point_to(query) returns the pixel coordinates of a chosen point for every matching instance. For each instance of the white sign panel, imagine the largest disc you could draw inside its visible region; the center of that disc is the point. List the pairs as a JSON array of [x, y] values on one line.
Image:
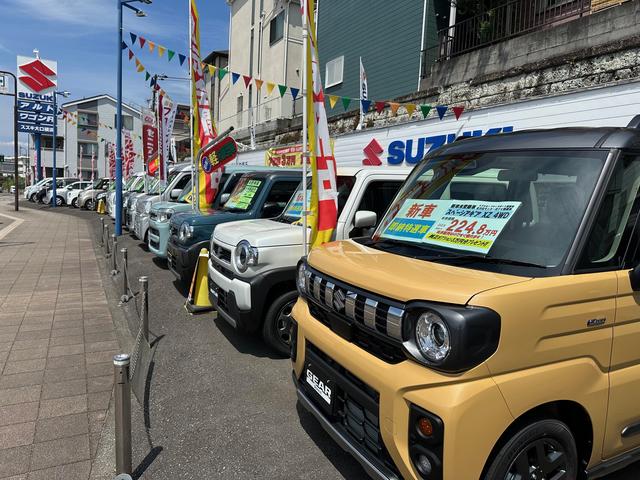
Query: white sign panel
[[37, 80], [3, 84]]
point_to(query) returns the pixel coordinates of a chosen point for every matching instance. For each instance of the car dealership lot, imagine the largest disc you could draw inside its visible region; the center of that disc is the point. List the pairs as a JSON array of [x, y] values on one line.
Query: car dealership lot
[[219, 404]]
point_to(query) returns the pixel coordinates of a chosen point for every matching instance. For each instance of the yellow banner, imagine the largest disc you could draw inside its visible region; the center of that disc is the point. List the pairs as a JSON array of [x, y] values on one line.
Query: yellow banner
[[284, 157]]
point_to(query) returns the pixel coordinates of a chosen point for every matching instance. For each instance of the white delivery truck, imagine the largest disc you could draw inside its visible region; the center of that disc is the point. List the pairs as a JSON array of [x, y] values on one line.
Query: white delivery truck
[[252, 263]]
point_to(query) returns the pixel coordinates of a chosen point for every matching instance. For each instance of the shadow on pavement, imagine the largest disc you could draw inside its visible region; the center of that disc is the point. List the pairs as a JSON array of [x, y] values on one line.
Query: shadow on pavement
[[250, 344]]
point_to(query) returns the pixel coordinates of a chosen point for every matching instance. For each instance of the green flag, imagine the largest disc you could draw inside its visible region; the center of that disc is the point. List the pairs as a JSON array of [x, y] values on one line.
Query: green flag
[[345, 102], [425, 109], [146, 76], [222, 72], [283, 90], [170, 54]]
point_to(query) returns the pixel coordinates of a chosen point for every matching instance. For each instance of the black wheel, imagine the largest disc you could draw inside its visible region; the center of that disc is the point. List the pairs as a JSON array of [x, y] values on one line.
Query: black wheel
[[89, 204], [276, 329], [59, 201], [74, 203], [32, 197], [544, 450]]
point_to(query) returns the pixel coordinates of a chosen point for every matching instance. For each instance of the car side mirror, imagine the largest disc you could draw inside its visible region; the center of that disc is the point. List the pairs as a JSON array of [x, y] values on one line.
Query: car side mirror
[[175, 194], [224, 198], [365, 219], [634, 278]]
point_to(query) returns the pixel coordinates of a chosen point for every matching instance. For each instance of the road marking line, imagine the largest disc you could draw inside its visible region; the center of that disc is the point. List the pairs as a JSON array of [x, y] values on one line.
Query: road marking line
[[12, 226]]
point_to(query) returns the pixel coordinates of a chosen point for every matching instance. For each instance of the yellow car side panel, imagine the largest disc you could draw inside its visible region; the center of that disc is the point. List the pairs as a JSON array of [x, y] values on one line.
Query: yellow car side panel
[[468, 403]]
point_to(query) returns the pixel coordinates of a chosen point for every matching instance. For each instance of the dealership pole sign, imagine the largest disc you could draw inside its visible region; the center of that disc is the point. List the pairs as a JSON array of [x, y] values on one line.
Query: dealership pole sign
[[37, 81]]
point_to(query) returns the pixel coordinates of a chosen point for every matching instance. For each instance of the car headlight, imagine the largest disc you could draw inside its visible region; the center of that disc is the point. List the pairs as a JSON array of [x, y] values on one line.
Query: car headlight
[[147, 207], [432, 337], [450, 338], [165, 215], [302, 278], [245, 255], [185, 232]]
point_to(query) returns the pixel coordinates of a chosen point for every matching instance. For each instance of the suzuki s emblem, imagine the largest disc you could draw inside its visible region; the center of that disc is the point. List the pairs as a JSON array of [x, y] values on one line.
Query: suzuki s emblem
[[338, 300], [37, 76]]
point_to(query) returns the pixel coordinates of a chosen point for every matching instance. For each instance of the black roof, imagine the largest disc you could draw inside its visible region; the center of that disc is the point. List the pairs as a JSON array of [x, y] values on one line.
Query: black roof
[[556, 138]]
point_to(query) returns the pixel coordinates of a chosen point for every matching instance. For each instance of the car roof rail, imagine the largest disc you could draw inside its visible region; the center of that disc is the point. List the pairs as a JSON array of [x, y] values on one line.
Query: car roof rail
[[635, 122]]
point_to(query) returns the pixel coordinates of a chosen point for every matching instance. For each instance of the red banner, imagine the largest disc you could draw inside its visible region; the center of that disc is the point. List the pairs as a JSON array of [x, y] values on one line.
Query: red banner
[[149, 139]]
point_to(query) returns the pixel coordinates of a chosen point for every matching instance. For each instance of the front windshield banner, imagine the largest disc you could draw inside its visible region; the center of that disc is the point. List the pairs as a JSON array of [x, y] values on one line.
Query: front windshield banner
[[461, 224], [294, 209], [243, 195]]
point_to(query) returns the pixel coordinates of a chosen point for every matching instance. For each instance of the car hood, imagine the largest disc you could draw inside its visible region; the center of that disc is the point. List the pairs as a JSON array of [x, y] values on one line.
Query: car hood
[[260, 233], [178, 207], [405, 278], [212, 217]]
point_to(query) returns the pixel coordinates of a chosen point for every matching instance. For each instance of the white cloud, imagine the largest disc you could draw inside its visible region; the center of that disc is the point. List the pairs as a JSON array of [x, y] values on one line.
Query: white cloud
[[91, 13]]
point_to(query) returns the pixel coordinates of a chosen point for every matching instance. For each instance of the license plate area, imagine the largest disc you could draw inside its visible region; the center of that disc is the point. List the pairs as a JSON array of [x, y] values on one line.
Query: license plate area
[[319, 383]]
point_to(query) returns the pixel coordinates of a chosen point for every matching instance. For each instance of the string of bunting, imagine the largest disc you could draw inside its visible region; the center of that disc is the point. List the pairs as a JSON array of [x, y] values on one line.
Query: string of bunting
[[345, 102]]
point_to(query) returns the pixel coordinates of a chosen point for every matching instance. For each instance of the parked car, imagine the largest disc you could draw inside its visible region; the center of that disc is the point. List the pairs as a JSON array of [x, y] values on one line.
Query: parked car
[[87, 198], [73, 190], [45, 191], [135, 183], [161, 212], [12, 189], [489, 331], [61, 191], [179, 177], [256, 195], [31, 190], [252, 263]]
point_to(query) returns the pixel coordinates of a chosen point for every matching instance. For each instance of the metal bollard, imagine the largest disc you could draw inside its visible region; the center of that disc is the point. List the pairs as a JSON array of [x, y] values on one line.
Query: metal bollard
[[105, 235], [114, 270], [144, 289], [122, 413], [125, 280], [102, 231]]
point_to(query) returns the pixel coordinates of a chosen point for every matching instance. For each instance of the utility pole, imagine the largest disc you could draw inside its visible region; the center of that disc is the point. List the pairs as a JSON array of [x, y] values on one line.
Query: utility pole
[[15, 134]]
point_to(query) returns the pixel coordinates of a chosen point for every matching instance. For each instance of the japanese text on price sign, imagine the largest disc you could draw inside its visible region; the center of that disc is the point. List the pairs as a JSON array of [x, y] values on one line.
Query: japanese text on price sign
[[462, 224], [295, 207], [243, 195]]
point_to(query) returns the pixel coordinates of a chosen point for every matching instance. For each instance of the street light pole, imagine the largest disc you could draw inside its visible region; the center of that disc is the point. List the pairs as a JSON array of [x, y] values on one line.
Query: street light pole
[[15, 135], [54, 174], [139, 13]]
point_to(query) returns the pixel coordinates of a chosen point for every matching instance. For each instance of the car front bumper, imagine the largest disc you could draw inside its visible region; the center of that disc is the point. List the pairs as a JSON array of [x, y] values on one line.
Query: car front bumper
[[181, 260], [141, 226], [158, 238]]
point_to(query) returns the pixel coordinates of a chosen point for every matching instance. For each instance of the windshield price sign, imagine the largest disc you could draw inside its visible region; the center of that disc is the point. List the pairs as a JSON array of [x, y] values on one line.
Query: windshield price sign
[[242, 197], [295, 207], [462, 224]]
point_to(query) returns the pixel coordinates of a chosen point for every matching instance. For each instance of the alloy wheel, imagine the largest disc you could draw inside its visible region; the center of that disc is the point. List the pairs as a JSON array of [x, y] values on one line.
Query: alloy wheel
[[283, 323], [542, 459]]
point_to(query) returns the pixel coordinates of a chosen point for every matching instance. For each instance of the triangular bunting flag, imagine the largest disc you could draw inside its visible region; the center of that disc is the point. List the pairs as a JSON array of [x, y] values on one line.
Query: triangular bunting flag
[[161, 51], [140, 67], [182, 58], [365, 105], [212, 70], [270, 87], [411, 107], [130, 54], [153, 82], [294, 92], [283, 90], [234, 77], [137, 63], [151, 46], [247, 80], [425, 109], [394, 107], [222, 72], [147, 76], [380, 106], [133, 38], [457, 111], [333, 99], [170, 54], [442, 109], [258, 83], [123, 45], [142, 40], [345, 102]]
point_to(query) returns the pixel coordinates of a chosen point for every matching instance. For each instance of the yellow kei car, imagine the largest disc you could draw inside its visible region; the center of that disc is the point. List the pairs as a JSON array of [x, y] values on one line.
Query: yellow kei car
[[490, 327]]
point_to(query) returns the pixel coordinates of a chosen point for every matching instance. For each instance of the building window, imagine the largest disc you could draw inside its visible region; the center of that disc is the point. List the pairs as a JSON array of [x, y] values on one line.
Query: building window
[[333, 72], [86, 149], [276, 28], [127, 122], [47, 142], [86, 119]]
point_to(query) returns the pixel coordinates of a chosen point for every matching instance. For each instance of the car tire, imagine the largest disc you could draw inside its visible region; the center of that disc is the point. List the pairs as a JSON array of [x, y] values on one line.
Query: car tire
[[545, 448], [89, 204], [59, 201], [32, 197], [276, 329], [74, 203]]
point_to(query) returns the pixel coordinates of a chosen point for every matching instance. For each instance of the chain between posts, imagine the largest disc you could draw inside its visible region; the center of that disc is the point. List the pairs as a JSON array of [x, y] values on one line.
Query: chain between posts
[[114, 242]]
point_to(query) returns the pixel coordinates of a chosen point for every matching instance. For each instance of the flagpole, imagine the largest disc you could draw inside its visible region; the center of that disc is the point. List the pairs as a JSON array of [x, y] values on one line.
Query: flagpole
[[194, 168], [305, 149]]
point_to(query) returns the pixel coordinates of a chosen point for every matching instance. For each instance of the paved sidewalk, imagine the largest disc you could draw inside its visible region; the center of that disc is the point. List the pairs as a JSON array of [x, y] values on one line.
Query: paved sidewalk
[[56, 342]]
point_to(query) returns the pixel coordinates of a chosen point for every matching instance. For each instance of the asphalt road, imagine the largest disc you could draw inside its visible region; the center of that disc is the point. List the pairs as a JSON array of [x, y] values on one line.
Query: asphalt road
[[220, 405]]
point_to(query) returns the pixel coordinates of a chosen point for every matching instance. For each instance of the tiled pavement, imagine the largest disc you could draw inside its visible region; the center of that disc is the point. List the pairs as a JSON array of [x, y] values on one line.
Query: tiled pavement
[[56, 342]]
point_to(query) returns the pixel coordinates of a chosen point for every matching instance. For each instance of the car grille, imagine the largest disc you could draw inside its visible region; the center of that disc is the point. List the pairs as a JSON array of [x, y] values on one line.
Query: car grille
[[357, 407], [222, 300], [224, 271], [154, 236], [173, 230], [153, 215], [367, 320], [222, 253]]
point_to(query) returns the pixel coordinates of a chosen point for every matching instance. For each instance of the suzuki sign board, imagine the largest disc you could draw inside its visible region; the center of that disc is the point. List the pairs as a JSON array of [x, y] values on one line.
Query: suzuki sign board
[[37, 80]]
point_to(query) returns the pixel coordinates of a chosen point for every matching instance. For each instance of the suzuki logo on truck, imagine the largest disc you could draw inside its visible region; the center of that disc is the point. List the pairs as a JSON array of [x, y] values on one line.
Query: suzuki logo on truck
[[413, 150]]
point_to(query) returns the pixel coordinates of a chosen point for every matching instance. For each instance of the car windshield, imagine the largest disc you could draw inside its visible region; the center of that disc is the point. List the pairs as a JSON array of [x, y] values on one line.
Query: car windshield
[[185, 196], [244, 194], [488, 210], [128, 183], [138, 185], [293, 212]]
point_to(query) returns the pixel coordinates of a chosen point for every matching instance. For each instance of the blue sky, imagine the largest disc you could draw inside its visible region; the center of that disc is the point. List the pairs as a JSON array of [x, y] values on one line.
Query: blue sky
[[81, 36]]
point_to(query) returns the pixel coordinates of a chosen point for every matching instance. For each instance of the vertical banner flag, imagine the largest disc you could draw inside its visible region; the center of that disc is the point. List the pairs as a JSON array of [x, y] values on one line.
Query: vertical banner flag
[[203, 131], [149, 140], [364, 94], [129, 154], [93, 165], [80, 163], [112, 160], [162, 163], [167, 117], [324, 195]]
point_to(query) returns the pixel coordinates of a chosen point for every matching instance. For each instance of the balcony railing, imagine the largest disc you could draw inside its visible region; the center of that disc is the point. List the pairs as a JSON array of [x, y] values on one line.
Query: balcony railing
[[509, 20]]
